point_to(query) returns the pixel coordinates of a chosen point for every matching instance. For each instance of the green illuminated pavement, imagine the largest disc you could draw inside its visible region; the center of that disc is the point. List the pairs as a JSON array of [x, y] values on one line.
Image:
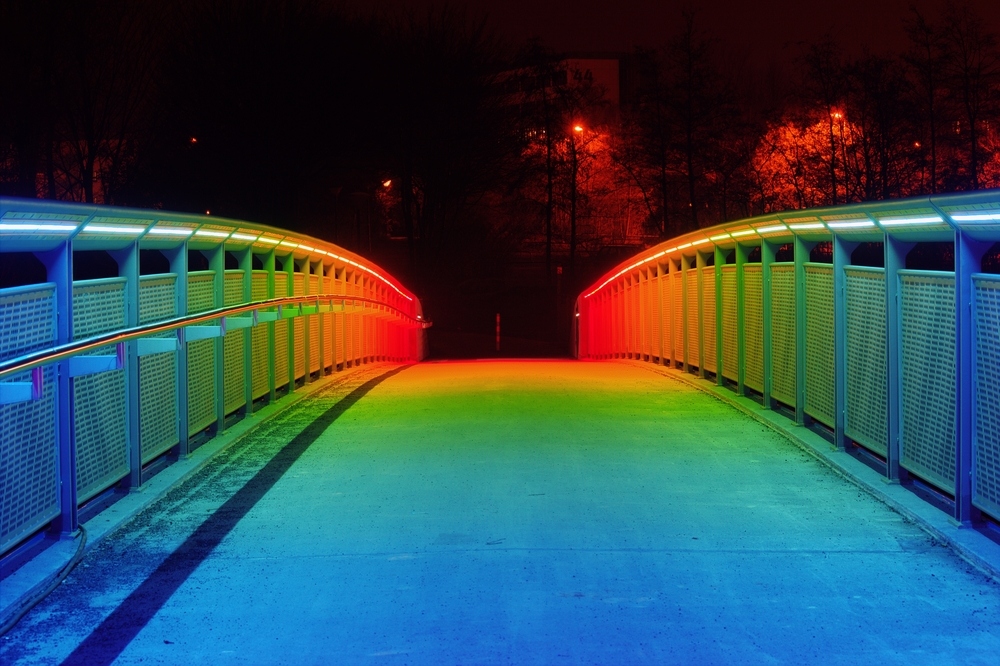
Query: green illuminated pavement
[[515, 512]]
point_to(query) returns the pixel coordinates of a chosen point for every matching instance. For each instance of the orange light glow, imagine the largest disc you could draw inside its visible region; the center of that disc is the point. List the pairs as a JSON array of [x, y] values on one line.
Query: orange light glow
[[916, 144], [194, 139], [577, 128], [387, 183], [837, 115]]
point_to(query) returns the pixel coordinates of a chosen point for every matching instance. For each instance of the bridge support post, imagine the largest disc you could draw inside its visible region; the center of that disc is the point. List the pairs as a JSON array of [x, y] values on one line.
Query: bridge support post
[[307, 324], [841, 259], [288, 266]]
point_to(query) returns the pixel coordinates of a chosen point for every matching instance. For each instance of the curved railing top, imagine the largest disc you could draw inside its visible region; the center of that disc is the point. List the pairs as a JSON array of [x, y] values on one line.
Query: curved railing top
[[918, 219], [32, 225]]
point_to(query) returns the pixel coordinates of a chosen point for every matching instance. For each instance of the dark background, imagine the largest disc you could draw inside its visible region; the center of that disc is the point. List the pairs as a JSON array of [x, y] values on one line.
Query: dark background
[[389, 127]]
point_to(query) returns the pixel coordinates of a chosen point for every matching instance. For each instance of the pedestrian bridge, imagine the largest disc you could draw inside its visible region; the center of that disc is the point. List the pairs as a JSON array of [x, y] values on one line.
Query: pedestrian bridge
[[270, 478]]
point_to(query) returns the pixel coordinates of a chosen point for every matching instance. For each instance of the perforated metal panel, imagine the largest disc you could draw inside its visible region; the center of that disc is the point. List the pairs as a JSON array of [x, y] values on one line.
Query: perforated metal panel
[[928, 442], [258, 340], [867, 401], [753, 326], [102, 456], [691, 319], [986, 482], [677, 291], [783, 360], [201, 356], [655, 318], [708, 311], [628, 321], [299, 329], [730, 342], [338, 333], [158, 429], [234, 372], [280, 335], [29, 472], [820, 387]]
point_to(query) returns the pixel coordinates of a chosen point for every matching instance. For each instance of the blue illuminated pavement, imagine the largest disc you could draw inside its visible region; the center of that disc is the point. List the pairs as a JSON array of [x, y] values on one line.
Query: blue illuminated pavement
[[521, 513]]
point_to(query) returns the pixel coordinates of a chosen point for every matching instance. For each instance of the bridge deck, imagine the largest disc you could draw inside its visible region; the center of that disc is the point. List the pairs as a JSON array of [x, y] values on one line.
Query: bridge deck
[[515, 512]]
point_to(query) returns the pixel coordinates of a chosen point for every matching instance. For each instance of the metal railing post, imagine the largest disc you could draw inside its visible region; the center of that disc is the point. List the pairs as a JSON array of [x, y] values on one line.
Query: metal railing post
[[245, 258], [767, 254], [895, 260], [685, 315], [720, 260], [968, 260], [802, 249], [268, 262], [178, 258], [59, 269], [699, 264], [217, 262], [128, 267], [742, 254], [841, 260], [288, 266]]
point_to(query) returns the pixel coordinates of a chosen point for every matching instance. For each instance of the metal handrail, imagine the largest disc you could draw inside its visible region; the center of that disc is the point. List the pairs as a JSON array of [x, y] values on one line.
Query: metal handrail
[[77, 347]]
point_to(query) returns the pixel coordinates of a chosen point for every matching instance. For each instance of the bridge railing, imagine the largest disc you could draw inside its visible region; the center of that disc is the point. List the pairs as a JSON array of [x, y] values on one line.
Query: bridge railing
[[899, 366], [102, 382]]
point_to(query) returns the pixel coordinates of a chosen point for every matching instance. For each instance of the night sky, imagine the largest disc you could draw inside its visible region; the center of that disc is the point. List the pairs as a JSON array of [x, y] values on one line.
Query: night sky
[[757, 31]]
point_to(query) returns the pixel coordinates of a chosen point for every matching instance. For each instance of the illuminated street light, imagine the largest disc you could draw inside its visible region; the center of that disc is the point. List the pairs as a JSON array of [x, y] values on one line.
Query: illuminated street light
[[387, 183], [577, 128]]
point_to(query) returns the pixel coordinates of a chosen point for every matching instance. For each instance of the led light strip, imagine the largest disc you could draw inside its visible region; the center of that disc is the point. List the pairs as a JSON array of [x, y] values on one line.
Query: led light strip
[[976, 217], [171, 231], [243, 237], [771, 229], [901, 221], [126, 229], [744, 232], [212, 234], [43, 228], [807, 225], [853, 224]]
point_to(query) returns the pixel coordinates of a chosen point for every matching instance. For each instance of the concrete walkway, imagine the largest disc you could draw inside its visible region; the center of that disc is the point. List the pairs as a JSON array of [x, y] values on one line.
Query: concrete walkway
[[515, 512]]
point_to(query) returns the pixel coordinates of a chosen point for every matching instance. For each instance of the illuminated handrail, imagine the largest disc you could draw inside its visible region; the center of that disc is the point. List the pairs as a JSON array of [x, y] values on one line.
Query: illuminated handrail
[[188, 352], [77, 347], [897, 364], [917, 219]]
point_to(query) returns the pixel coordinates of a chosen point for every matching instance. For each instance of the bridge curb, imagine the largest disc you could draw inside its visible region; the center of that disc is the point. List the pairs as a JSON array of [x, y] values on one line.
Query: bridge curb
[[37, 573], [969, 544]]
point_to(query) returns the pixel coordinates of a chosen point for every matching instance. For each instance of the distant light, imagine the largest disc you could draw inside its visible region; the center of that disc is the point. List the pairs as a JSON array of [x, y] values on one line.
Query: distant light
[[577, 128], [916, 144], [387, 183], [419, 317], [837, 115], [208, 212], [577, 314], [194, 139]]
